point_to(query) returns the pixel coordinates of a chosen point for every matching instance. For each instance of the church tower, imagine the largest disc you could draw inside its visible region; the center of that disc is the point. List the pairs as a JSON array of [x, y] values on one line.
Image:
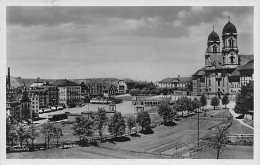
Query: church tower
[[213, 48], [229, 48]]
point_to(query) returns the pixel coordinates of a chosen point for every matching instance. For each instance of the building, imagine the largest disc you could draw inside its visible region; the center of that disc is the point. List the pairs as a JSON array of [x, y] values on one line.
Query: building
[[177, 84], [48, 93], [68, 91], [109, 90], [38, 88], [25, 107], [221, 74], [122, 86], [35, 105]]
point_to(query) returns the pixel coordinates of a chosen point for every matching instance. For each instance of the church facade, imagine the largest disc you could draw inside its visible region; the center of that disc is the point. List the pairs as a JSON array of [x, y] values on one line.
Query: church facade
[[223, 70]]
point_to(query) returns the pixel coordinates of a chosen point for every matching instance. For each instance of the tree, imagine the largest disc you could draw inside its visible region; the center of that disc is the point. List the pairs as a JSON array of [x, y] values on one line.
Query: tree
[[214, 102], [131, 123], [83, 128], [143, 119], [245, 99], [203, 100], [100, 120], [117, 125], [47, 132], [11, 133], [143, 91], [225, 100], [166, 112], [153, 91], [196, 103], [182, 104], [57, 133], [219, 139], [33, 133], [134, 92], [20, 131]]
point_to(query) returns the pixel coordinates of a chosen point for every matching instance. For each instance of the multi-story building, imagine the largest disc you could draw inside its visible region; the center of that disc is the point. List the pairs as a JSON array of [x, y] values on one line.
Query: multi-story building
[[35, 105], [48, 93], [122, 86], [177, 84], [222, 66], [98, 87], [37, 88], [68, 91]]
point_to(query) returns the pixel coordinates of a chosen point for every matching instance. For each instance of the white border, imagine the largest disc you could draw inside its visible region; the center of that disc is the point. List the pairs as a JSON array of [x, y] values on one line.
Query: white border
[[4, 3]]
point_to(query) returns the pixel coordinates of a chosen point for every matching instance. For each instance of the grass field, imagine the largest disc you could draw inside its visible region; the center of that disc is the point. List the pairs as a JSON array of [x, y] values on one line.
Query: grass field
[[162, 140]]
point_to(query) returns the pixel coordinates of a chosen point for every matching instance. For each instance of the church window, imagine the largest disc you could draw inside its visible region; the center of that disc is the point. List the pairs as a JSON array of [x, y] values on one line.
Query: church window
[[232, 59], [215, 48], [218, 82], [223, 60], [231, 43]]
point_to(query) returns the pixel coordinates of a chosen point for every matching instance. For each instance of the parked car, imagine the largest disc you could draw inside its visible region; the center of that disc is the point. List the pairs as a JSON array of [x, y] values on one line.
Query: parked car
[[41, 111]]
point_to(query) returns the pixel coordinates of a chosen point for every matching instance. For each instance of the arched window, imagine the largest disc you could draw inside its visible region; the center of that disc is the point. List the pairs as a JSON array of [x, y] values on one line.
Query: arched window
[[223, 60], [231, 43], [215, 49], [232, 59]]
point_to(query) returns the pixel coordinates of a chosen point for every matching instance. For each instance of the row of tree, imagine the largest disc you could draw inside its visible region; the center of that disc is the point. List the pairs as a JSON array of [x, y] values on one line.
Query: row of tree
[[18, 133], [85, 128], [168, 112], [140, 85]]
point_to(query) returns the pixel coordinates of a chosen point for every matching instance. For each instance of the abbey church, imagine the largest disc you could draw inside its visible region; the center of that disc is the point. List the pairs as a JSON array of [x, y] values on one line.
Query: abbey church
[[225, 70]]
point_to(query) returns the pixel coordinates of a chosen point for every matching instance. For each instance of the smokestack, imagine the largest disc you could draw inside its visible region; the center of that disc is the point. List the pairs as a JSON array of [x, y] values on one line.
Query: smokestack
[[9, 81]]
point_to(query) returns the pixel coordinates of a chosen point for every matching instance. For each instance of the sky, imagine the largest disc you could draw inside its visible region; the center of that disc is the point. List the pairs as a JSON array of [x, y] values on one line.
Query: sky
[[140, 43]]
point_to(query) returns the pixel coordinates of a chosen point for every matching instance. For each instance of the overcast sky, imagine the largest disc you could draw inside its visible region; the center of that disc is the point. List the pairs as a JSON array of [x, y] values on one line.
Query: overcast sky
[[141, 43]]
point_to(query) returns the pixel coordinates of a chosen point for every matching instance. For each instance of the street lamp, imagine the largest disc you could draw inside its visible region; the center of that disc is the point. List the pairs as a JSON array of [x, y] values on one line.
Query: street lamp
[[198, 129]]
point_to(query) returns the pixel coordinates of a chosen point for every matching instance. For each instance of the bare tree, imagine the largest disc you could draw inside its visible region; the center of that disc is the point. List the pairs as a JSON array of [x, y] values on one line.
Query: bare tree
[[219, 138]]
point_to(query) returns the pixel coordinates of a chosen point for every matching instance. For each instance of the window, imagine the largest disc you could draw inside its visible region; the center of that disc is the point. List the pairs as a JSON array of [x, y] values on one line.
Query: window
[[231, 43], [218, 82], [232, 59], [215, 49], [223, 60]]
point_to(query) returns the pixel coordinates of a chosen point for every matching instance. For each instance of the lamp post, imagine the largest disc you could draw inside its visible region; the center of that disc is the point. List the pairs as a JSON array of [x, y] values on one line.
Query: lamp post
[[198, 129]]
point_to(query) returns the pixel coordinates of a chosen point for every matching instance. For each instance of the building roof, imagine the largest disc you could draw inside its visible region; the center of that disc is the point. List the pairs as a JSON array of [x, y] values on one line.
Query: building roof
[[25, 97], [247, 66], [64, 83], [185, 79], [37, 84], [244, 59], [213, 36], [200, 72], [216, 60], [236, 72], [179, 79], [229, 28]]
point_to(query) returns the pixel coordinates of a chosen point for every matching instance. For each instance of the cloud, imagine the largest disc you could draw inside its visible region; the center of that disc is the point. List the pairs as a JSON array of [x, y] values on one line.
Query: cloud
[[147, 43]]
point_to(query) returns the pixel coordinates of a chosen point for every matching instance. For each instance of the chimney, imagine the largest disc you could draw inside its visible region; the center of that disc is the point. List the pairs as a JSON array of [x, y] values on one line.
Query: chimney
[[9, 81], [178, 76]]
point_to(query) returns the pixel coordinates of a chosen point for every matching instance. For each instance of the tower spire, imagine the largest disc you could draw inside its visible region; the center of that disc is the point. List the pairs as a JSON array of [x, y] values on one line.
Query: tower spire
[[228, 17], [213, 27]]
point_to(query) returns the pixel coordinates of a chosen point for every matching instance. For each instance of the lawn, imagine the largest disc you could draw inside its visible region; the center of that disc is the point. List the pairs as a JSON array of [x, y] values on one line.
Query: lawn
[[161, 140], [231, 152]]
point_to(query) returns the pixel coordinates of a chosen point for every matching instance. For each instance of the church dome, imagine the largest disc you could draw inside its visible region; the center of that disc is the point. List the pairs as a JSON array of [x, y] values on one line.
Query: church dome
[[229, 28], [213, 36]]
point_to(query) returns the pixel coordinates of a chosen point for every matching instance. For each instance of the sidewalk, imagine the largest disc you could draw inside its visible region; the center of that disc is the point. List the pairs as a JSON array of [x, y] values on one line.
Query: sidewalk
[[230, 107]]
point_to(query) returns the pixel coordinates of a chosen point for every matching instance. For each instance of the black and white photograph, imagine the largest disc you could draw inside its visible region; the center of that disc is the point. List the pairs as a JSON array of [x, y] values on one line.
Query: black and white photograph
[[129, 82]]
